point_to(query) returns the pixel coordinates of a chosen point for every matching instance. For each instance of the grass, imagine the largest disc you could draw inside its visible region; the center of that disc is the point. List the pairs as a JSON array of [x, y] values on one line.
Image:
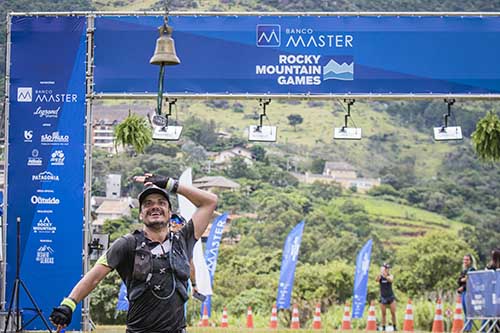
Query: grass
[[399, 223]]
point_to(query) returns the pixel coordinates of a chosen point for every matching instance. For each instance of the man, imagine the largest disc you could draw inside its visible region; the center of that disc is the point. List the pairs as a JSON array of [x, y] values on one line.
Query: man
[[387, 297], [153, 262]]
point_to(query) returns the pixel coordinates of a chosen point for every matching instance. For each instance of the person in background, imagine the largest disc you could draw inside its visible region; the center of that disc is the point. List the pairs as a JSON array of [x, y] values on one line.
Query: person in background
[[467, 266], [152, 262], [494, 263], [387, 297]]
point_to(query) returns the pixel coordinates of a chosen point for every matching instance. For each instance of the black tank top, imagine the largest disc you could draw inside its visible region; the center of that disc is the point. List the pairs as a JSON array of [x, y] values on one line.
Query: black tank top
[[385, 287]]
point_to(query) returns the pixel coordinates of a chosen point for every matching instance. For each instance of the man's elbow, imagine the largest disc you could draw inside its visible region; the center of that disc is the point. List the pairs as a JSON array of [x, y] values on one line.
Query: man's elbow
[[212, 201]]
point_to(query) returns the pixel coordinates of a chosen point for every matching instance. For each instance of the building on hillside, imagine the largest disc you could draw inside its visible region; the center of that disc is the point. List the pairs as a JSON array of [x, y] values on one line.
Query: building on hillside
[[215, 183], [342, 173], [103, 135], [225, 156], [113, 186], [339, 170], [111, 209]]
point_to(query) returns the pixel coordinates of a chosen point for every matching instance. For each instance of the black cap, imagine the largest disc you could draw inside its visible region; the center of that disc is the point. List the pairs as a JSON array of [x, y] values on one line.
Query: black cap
[[151, 189], [386, 265]]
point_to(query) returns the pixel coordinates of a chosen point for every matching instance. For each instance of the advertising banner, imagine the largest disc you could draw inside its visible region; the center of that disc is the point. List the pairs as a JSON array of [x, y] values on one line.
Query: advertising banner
[[361, 280], [46, 159], [482, 298], [303, 54], [288, 264], [212, 253]]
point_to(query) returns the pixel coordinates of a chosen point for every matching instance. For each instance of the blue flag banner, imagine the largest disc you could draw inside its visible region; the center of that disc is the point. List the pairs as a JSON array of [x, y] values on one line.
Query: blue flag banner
[[483, 294], [212, 252], [288, 264], [122, 304], [46, 159], [361, 280], [303, 54]]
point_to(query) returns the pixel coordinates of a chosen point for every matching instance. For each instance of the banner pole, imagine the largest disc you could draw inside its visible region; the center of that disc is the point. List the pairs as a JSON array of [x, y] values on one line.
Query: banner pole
[[87, 231]]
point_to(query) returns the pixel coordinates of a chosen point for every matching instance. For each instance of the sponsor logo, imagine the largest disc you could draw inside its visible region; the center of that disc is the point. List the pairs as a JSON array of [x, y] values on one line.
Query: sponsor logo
[[34, 160], [44, 227], [54, 139], [336, 69], [57, 158], [44, 255], [24, 94], [46, 113], [49, 96], [28, 136], [268, 35], [308, 69], [35, 199], [45, 176]]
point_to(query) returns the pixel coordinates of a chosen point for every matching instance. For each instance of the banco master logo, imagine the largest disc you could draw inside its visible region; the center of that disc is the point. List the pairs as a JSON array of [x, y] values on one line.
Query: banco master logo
[[24, 94], [268, 35]]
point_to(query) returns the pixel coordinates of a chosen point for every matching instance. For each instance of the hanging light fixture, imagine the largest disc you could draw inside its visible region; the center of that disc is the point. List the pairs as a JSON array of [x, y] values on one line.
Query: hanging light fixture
[[164, 55], [262, 132], [345, 132], [445, 132]]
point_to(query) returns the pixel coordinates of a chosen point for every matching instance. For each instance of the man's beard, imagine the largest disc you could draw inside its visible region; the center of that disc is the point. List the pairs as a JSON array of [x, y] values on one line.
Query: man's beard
[[157, 225]]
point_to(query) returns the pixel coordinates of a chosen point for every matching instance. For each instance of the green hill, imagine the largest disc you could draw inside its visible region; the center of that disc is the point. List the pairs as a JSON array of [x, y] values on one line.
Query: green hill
[[396, 224]]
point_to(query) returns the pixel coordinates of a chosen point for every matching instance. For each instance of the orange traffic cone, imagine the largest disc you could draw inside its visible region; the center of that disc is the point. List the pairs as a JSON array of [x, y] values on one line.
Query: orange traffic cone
[[273, 323], [249, 317], [317, 317], [458, 317], [371, 323], [204, 318], [295, 318], [346, 320], [408, 323], [223, 322], [438, 324]]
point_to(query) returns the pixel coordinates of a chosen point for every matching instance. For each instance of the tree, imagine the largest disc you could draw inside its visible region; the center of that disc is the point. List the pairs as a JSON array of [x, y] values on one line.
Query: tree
[[258, 152], [318, 165], [430, 263], [294, 120]]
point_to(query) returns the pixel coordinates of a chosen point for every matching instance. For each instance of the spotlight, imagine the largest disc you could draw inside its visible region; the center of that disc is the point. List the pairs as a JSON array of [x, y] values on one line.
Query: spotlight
[[445, 132], [345, 132], [161, 129], [260, 132]]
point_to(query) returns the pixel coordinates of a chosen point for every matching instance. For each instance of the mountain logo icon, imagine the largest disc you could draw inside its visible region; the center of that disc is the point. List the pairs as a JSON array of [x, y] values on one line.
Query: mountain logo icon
[[24, 94], [268, 35], [339, 70]]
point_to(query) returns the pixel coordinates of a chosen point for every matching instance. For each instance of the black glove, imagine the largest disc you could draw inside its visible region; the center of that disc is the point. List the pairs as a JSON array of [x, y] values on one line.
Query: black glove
[[61, 315], [167, 183], [160, 181]]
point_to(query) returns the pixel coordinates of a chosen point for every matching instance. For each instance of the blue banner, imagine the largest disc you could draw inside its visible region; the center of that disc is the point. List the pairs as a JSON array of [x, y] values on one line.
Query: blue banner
[[483, 294], [45, 185], [365, 54], [288, 264], [361, 280], [211, 254]]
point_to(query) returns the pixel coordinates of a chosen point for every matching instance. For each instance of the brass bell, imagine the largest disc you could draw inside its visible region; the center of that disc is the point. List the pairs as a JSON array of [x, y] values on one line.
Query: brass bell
[[165, 48]]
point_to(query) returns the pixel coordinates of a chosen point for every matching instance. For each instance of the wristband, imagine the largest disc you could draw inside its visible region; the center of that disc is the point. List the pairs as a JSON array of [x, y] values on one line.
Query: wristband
[[172, 185], [193, 284], [69, 302]]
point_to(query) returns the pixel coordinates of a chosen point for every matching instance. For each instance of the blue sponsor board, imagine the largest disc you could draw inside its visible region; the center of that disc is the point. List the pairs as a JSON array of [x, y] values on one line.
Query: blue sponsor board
[[46, 159], [303, 54], [483, 296]]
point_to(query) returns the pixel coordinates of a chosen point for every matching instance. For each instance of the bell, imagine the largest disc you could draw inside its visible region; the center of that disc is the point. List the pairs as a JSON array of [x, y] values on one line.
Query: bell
[[165, 48]]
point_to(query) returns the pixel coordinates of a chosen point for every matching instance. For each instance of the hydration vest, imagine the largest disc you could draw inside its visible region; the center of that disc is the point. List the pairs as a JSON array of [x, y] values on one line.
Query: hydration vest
[[143, 277]]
